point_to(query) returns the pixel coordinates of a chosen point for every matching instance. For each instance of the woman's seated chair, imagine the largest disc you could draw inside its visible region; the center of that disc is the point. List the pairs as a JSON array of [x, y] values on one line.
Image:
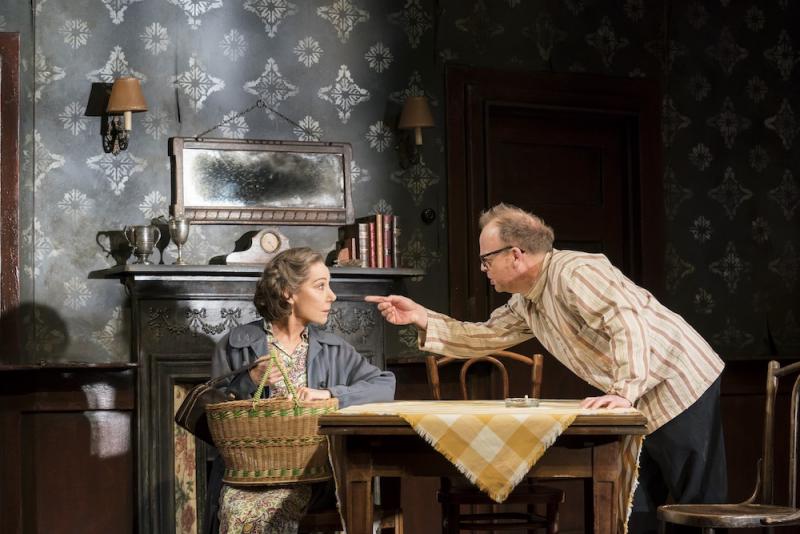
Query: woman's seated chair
[[329, 521], [759, 510], [526, 493], [388, 516]]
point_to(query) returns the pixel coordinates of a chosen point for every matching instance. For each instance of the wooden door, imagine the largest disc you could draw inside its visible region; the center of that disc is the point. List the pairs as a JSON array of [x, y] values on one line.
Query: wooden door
[[9, 195], [583, 152], [550, 163]]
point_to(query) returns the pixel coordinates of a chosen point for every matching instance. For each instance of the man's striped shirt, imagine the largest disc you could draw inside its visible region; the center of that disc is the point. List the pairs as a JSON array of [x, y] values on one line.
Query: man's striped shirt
[[603, 327]]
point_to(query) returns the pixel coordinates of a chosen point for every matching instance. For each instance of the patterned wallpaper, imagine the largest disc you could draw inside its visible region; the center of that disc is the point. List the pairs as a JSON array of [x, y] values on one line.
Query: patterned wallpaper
[[340, 70]]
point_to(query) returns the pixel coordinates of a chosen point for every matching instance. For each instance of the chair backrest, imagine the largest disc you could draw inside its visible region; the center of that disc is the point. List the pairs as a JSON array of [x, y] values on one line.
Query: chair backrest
[[775, 372], [435, 362]]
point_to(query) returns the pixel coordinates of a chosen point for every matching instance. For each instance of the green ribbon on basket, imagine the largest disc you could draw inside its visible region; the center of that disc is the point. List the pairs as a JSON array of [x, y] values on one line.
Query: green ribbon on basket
[[274, 360]]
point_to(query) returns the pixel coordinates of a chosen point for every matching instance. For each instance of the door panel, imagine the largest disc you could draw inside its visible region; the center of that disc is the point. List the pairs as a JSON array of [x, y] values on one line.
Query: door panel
[[565, 167]]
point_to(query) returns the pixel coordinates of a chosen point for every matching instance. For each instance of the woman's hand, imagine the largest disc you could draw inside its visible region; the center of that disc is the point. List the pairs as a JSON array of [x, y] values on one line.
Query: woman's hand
[[310, 394], [257, 372]]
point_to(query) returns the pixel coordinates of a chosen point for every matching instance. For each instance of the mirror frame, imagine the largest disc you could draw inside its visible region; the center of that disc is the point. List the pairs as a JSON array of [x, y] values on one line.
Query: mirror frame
[[259, 214]]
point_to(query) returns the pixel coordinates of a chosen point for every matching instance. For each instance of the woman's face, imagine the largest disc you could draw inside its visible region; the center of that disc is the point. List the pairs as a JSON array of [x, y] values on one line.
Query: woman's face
[[312, 301]]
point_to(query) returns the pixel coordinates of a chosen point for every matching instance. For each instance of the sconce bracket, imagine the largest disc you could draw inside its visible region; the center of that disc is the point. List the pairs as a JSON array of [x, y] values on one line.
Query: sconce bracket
[[115, 138], [409, 154]]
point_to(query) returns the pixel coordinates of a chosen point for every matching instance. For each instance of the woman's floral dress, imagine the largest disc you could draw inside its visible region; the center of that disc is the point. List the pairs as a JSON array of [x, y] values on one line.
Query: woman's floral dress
[[269, 509]]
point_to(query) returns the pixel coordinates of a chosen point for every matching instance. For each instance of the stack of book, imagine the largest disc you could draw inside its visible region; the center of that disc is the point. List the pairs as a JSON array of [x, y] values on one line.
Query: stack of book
[[372, 240]]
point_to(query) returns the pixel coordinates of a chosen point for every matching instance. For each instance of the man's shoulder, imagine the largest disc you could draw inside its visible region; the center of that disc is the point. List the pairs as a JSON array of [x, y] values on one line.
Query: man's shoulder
[[566, 261]]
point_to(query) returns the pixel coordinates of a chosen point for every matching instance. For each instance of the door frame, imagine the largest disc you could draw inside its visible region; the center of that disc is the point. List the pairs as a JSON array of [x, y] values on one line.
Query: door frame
[[9, 191], [469, 91]]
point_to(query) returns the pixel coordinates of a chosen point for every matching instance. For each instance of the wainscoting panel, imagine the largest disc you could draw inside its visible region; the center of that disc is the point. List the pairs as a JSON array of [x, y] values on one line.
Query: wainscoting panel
[[66, 449]]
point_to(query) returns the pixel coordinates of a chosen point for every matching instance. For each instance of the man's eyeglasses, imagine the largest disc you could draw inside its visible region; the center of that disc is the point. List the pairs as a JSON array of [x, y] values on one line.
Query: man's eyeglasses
[[485, 257]]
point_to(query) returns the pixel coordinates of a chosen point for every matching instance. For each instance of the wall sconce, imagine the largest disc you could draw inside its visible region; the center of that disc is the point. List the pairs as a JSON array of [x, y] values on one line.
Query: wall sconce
[[416, 115], [126, 98]]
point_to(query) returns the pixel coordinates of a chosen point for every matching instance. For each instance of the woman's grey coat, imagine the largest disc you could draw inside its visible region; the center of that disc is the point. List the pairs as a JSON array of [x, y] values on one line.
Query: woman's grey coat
[[332, 364]]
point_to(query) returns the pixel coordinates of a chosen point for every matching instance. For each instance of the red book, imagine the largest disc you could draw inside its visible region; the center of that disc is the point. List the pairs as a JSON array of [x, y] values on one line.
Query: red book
[[373, 259], [352, 246], [379, 240]]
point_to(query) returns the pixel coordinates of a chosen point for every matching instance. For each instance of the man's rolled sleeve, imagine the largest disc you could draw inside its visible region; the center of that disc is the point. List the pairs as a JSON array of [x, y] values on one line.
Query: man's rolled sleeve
[[445, 335], [430, 339]]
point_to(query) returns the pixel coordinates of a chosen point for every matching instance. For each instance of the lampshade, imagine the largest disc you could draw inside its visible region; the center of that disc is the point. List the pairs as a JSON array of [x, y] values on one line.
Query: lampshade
[[126, 95], [416, 113]]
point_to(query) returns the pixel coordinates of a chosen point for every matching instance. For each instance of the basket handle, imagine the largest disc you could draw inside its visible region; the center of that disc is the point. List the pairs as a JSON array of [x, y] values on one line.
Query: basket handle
[[274, 360]]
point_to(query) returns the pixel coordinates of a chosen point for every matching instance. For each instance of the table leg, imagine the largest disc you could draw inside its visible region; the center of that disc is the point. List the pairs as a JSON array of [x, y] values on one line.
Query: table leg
[[359, 510], [606, 470], [358, 503]]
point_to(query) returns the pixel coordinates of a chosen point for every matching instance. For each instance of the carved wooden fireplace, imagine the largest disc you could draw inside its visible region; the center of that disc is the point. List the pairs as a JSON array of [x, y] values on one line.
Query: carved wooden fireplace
[[177, 315]]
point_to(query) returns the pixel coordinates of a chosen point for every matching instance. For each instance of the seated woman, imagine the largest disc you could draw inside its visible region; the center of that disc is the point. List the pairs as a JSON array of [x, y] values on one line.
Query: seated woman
[[292, 296]]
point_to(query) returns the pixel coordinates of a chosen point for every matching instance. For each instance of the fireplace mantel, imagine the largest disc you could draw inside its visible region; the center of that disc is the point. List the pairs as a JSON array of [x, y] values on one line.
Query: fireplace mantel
[[135, 270], [178, 313]]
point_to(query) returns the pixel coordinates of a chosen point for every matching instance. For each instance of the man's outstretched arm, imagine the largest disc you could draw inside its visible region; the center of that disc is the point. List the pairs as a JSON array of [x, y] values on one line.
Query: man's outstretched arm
[[401, 310]]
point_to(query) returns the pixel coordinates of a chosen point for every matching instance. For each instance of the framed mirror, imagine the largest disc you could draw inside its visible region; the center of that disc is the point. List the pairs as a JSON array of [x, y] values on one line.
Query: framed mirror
[[245, 181]]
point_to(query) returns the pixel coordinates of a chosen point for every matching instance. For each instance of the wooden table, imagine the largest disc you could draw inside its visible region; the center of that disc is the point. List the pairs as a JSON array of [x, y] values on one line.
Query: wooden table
[[365, 446]]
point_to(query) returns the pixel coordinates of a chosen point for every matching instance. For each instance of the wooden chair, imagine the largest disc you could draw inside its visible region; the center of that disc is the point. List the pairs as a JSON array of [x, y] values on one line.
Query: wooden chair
[[328, 521], [759, 510], [526, 493], [389, 515]]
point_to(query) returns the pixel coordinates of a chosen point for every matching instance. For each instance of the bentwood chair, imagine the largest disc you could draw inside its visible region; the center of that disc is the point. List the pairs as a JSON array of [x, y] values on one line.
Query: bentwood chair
[[328, 521], [526, 493], [388, 516], [759, 511]]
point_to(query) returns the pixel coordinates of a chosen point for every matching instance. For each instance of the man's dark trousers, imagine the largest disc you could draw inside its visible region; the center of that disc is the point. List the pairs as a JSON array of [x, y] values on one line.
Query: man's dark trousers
[[684, 459]]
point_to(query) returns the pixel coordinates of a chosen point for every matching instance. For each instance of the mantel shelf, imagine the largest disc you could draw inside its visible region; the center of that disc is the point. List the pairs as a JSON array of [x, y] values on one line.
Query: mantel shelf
[[68, 366], [243, 270]]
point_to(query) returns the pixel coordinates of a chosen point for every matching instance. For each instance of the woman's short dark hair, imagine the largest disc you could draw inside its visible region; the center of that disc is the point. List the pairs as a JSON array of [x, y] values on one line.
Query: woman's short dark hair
[[282, 276]]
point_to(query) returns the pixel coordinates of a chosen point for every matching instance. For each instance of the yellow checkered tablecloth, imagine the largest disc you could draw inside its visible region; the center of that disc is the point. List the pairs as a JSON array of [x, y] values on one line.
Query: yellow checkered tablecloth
[[495, 446]]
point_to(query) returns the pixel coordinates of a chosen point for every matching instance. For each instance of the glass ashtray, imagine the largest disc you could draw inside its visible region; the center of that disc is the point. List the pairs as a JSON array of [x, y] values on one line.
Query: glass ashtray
[[521, 402]]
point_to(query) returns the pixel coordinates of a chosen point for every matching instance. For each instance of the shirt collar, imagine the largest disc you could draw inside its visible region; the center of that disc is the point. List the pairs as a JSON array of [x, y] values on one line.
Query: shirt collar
[[535, 293]]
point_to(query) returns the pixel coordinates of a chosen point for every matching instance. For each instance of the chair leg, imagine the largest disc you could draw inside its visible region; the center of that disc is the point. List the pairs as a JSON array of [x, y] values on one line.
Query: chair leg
[[450, 514], [662, 527], [708, 530], [531, 509], [552, 518]]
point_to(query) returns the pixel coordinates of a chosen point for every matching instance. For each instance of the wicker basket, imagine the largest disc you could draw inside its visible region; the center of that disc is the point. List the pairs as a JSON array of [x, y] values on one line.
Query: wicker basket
[[271, 441]]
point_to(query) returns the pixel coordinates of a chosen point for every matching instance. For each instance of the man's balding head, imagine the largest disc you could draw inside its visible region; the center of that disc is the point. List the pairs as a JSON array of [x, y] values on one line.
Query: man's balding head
[[519, 228]]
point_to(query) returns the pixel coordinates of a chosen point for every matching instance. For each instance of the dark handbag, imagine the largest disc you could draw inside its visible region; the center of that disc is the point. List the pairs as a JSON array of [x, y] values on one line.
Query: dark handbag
[[191, 414]]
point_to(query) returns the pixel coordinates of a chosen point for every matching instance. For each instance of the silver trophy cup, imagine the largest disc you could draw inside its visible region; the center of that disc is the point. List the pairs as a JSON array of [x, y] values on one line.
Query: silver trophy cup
[[179, 232], [143, 239]]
